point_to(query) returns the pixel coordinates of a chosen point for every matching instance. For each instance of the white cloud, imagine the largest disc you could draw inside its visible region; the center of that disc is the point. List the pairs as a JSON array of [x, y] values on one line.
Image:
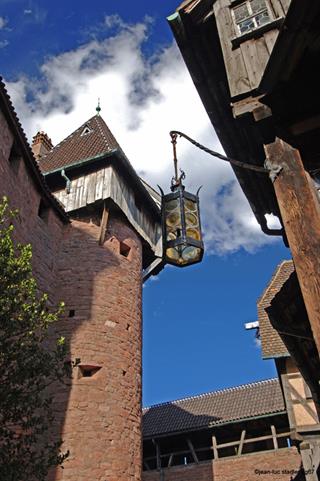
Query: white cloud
[[3, 43], [142, 99], [3, 22]]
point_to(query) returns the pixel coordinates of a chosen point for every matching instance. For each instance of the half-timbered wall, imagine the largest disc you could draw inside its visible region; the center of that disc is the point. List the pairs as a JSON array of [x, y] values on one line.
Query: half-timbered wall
[[246, 56], [105, 184], [300, 406]]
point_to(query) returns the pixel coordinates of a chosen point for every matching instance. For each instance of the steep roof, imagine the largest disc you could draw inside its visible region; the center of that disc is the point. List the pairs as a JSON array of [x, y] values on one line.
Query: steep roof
[[21, 140], [215, 408], [271, 343], [93, 138]]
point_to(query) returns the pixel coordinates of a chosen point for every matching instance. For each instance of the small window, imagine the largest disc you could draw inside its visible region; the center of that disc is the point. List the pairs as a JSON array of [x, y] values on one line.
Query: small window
[[86, 130], [14, 157], [252, 14], [43, 211], [88, 371], [124, 249]]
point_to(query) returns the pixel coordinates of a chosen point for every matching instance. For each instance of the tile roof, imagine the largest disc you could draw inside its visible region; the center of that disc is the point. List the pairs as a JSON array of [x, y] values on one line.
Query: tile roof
[[91, 139], [271, 343], [20, 138], [215, 408]]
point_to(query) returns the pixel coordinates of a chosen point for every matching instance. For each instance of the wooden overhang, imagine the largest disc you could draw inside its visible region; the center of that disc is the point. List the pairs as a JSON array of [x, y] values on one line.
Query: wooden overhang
[[118, 160], [195, 30], [292, 92], [287, 314]]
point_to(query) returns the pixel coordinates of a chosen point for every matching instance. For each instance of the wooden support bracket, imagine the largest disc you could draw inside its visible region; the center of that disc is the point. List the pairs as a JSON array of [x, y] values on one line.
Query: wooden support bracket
[[194, 455], [104, 224]]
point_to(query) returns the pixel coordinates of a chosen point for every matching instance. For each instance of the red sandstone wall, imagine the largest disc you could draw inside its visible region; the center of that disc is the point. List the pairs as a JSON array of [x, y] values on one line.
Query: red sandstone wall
[[99, 417], [267, 466], [16, 183], [101, 427], [281, 465], [192, 472]]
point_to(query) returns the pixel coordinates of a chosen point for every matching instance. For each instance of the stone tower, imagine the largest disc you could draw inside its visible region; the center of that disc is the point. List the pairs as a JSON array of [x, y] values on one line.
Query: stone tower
[[114, 234]]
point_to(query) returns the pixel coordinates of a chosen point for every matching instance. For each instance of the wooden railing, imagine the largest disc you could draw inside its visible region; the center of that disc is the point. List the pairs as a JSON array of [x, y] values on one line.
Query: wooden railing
[[239, 445]]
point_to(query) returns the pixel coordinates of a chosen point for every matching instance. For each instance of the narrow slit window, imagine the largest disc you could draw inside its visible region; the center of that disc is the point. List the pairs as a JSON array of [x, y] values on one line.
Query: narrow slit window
[[72, 313], [14, 157], [88, 371], [252, 14], [124, 249], [43, 211]]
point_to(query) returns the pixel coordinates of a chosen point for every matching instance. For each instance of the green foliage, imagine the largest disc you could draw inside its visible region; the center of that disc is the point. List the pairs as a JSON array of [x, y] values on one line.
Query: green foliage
[[30, 361]]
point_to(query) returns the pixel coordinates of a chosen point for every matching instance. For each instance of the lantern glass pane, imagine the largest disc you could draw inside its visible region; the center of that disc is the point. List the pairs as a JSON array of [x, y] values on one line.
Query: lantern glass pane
[[173, 219], [173, 254], [194, 234], [191, 254]]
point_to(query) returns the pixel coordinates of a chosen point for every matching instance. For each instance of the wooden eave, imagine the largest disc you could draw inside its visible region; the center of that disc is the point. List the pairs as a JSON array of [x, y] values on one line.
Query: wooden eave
[[197, 37], [26, 152], [120, 162]]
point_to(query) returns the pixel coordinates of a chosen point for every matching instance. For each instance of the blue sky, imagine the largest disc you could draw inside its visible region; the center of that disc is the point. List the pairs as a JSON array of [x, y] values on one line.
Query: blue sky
[[57, 58]]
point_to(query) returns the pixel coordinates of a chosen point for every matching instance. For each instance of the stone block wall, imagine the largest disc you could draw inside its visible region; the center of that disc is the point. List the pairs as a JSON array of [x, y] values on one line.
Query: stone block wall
[[100, 415], [280, 465]]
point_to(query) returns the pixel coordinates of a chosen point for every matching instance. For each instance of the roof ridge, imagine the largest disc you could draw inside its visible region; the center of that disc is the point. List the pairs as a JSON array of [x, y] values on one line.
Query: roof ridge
[[219, 391], [273, 278]]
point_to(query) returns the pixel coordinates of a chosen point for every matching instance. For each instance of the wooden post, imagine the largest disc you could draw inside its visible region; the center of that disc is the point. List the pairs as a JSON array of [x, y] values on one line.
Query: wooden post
[[243, 435], [103, 224], [300, 211], [274, 437], [215, 449]]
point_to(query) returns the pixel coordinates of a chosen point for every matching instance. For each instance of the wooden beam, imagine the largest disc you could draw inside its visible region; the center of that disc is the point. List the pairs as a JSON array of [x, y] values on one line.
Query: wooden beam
[[243, 435], [194, 455], [274, 437], [170, 460], [104, 224], [300, 212], [215, 448]]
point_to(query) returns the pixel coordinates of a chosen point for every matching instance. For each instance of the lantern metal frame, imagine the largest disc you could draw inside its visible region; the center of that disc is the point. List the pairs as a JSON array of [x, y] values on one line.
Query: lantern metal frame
[[182, 239]]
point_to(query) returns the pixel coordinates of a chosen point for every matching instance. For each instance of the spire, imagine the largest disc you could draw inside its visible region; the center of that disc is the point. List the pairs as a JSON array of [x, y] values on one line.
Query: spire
[[98, 108]]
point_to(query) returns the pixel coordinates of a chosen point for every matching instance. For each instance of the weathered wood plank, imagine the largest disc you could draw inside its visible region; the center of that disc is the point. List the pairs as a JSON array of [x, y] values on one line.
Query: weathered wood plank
[[92, 188], [278, 8], [285, 5], [99, 184], [83, 200], [255, 55], [270, 39], [300, 211], [235, 66]]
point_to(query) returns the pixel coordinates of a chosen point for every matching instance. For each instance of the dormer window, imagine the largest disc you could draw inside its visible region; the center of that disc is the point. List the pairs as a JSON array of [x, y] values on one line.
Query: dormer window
[[252, 14], [86, 130]]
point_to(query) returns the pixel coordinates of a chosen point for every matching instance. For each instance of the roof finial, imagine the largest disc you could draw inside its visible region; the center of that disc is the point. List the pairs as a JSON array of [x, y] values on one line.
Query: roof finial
[[98, 109]]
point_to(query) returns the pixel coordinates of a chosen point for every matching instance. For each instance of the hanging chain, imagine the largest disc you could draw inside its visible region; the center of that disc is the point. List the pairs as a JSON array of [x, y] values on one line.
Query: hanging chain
[[238, 163]]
